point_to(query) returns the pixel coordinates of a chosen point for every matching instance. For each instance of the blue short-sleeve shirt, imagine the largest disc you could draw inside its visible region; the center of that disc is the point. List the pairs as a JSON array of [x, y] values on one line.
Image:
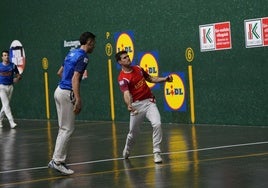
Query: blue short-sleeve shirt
[[76, 60], [7, 73]]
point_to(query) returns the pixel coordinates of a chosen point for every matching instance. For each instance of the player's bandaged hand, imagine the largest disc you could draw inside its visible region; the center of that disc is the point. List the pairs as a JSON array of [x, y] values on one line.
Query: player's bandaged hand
[[130, 108]]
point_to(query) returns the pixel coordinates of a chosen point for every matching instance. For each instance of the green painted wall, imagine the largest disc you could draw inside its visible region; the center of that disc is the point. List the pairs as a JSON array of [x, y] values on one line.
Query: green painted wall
[[230, 85]]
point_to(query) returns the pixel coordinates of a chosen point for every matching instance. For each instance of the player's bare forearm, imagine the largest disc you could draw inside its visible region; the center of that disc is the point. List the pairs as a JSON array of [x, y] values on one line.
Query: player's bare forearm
[[156, 79], [128, 100], [76, 91], [59, 73]]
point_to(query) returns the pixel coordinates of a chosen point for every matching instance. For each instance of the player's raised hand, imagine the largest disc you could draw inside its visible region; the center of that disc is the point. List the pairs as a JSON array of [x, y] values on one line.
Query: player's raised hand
[[169, 78]]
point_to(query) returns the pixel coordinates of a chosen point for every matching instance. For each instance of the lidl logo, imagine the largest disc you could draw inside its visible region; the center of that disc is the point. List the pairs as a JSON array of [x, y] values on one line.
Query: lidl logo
[[175, 93], [148, 61], [124, 41]]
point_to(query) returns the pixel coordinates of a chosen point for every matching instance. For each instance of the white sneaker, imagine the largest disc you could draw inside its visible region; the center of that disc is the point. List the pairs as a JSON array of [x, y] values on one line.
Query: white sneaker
[[125, 153], [60, 168], [13, 125], [157, 158]]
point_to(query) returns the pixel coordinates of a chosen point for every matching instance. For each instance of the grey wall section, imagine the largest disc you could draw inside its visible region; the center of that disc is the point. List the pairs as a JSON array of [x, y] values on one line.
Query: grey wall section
[[230, 85]]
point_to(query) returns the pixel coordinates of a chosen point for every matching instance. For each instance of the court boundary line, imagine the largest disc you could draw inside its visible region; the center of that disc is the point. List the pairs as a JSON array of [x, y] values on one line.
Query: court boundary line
[[140, 156]]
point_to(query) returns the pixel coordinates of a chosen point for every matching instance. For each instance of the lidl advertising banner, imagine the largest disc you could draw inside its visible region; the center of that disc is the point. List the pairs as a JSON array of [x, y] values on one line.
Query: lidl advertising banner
[[256, 32], [215, 36], [125, 41], [174, 92], [149, 62]]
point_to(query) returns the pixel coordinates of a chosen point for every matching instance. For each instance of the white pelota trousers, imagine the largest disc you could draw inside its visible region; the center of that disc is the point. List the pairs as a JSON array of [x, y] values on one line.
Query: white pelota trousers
[[5, 95], [66, 118], [146, 109]]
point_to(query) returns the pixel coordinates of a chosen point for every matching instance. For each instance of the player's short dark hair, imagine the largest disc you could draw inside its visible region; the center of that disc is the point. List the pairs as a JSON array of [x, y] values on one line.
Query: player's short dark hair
[[4, 51], [85, 37], [118, 55]]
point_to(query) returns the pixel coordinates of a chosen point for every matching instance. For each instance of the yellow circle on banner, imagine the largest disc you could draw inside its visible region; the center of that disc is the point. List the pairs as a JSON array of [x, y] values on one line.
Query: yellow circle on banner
[[175, 92], [45, 63], [189, 54], [124, 42], [109, 49], [149, 64]]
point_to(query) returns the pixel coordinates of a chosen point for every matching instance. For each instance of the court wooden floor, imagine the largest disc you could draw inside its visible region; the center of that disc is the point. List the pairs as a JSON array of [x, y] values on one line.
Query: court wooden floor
[[194, 156]]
